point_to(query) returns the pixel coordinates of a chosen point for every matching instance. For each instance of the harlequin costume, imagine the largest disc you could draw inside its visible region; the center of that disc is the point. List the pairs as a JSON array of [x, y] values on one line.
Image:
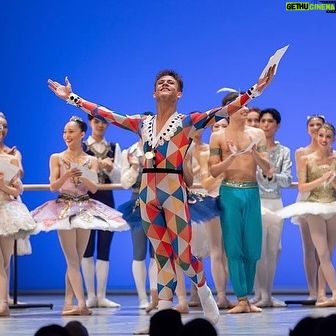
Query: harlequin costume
[[163, 196]]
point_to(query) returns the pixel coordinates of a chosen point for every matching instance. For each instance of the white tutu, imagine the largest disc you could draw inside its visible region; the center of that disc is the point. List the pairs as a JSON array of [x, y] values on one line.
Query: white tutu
[[23, 246], [15, 219], [270, 216], [302, 209]]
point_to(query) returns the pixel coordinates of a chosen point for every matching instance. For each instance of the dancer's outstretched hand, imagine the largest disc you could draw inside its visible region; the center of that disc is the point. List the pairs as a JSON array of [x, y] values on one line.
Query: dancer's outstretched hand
[[267, 79], [61, 91]]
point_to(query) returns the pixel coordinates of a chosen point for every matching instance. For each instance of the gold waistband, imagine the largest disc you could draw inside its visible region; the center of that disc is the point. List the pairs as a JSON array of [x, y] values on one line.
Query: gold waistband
[[67, 197], [240, 184]]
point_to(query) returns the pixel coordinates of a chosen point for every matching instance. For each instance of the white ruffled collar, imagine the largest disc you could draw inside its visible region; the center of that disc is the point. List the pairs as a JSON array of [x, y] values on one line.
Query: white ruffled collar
[[168, 130]]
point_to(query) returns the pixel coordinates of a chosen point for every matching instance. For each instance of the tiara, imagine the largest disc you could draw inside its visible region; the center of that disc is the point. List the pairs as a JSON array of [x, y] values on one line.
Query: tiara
[[76, 119], [320, 116]]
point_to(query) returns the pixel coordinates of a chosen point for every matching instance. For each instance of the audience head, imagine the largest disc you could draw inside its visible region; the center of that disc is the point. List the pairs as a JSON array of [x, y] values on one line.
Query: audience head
[[76, 328], [52, 330], [326, 325], [166, 322], [198, 327], [307, 326]]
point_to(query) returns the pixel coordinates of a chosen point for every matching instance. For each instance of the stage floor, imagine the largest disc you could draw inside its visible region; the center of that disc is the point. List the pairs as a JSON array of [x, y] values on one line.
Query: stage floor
[[123, 321]]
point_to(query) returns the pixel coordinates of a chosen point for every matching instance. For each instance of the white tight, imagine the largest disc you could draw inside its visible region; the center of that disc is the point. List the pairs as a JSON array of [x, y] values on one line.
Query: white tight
[[271, 246], [310, 258], [323, 234]]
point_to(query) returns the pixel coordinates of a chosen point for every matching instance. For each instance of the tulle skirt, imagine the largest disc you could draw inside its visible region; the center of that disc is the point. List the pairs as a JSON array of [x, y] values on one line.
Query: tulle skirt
[[203, 208], [304, 208], [269, 209], [88, 214], [131, 213], [15, 219]]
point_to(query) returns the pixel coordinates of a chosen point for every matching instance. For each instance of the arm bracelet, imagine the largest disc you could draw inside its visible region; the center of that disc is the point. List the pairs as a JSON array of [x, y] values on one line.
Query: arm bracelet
[[253, 92], [73, 99]]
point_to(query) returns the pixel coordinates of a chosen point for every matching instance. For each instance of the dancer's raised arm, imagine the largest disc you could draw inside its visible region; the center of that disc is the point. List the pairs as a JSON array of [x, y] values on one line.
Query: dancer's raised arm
[[255, 91], [65, 92]]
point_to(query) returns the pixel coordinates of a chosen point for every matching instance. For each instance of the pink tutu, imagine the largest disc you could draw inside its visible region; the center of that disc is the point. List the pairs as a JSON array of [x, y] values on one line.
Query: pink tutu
[[77, 212]]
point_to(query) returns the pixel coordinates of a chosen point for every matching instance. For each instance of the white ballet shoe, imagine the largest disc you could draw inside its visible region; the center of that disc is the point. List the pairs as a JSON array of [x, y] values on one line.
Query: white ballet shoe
[[92, 302], [209, 305], [141, 331], [276, 303], [106, 303], [143, 304]]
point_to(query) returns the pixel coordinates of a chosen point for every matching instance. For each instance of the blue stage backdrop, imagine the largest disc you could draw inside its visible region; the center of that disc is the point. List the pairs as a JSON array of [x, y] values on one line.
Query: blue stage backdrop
[[111, 51]]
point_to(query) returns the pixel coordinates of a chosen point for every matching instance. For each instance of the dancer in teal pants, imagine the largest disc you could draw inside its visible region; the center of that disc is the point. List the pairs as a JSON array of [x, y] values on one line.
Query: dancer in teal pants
[[241, 222], [235, 154]]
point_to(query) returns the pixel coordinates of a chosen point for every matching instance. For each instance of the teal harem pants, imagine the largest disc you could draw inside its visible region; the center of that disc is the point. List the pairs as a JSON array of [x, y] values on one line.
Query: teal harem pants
[[242, 232]]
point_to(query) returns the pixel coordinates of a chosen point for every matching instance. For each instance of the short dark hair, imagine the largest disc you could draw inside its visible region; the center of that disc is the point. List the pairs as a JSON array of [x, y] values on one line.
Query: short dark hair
[[272, 111], [90, 117], [172, 73], [229, 98], [254, 109]]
